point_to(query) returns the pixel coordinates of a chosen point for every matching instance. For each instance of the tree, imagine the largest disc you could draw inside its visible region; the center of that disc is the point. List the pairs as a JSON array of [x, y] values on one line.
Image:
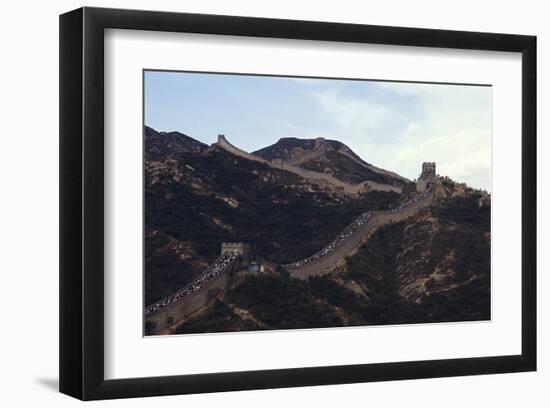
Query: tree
[[283, 272]]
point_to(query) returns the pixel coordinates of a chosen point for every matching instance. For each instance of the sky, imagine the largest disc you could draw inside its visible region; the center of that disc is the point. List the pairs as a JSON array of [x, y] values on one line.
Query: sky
[[393, 125]]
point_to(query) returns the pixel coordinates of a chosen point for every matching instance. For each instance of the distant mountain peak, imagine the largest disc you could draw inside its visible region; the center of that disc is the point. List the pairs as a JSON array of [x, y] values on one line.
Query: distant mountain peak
[[328, 156], [167, 143]]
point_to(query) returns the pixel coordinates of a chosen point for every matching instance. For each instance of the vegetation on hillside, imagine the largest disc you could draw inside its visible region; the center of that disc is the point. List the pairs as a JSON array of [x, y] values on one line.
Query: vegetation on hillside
[[344, 168], [204, 199], [197, 197], [279, 301], [219, 318]]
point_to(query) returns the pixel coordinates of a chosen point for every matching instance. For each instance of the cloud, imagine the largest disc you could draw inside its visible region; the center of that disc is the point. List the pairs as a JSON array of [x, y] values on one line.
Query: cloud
[[356, 115], [362, 110], [400, 125]]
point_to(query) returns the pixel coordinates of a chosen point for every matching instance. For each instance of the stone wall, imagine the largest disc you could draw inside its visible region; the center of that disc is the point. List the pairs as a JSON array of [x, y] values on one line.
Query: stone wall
[[240, 248], [322, 179], [190, 303], [325, 264], [422, 185], [222, 142]]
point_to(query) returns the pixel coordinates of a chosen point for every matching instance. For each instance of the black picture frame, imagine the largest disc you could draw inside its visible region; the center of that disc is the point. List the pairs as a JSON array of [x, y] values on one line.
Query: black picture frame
[[82, 198]]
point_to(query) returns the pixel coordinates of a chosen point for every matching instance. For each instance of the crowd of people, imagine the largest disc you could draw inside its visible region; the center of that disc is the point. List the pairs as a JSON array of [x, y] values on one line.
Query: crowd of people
[[350, 230], [220, 265], [340, 239], [412, 201]]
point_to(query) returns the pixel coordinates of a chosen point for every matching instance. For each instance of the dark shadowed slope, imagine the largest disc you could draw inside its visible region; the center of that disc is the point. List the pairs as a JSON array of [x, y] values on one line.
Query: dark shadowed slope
[[198, 196]]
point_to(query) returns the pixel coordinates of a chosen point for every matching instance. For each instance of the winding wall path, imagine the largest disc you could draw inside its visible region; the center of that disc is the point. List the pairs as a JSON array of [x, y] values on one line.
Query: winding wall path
[[311, 155], [325, 264], [314, 176], [181, 306], [188, 303]]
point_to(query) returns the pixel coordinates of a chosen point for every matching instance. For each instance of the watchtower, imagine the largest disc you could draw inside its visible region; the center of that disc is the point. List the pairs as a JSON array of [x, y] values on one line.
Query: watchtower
[[427, 177], [239, 248]]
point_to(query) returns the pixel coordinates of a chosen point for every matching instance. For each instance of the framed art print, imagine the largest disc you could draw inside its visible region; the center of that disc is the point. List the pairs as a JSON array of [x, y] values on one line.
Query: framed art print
[[255, 203]]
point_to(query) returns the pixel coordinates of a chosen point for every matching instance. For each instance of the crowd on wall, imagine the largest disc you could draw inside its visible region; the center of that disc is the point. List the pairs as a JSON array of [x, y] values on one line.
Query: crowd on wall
[[224, 261], [350, 229], [220, 265]]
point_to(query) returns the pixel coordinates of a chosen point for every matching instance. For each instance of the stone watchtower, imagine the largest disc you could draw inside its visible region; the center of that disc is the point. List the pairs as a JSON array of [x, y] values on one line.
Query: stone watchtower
[[427, 177], [240, 248]]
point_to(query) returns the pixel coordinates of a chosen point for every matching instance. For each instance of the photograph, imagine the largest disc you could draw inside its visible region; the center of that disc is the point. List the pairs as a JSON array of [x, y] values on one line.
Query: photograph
[[277, 202], [271, 205]]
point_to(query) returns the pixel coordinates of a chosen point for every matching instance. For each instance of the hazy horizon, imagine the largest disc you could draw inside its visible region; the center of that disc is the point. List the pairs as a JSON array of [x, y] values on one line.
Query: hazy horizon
[[392, 125]]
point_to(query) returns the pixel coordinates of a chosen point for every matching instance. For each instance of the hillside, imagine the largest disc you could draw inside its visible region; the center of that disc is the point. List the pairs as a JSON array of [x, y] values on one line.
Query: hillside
[[433, 268], [162, 145], [430, 266], [197, 197], [330, 157]]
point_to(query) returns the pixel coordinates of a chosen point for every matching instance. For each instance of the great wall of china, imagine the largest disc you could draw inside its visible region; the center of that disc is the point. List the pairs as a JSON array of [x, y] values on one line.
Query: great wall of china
[[313, 176], [326, 263], [197, 294], [310, 155], [184, 306], [189, 299]]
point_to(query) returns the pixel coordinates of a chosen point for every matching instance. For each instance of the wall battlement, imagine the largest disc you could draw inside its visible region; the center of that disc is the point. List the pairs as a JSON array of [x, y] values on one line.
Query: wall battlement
[[428, 170], [241, 248], [224, 143]]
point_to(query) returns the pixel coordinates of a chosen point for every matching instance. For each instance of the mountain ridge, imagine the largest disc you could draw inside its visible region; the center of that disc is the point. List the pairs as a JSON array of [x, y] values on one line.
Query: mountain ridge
[[329, 158], [430, 267], [324, 155]]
